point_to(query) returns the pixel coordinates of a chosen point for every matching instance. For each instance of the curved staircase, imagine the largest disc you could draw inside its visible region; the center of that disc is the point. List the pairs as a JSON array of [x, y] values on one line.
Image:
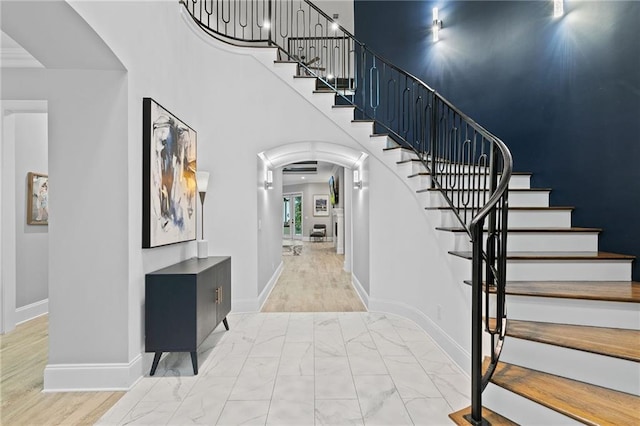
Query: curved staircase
[[572, 348], [573, 336]]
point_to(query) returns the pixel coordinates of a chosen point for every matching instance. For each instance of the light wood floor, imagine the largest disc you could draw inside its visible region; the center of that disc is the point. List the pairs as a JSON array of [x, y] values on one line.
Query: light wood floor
[[315, 281], [23, 356]]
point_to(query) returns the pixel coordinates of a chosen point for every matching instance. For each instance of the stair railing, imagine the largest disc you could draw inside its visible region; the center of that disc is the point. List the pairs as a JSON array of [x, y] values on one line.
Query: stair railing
[[467, 165]]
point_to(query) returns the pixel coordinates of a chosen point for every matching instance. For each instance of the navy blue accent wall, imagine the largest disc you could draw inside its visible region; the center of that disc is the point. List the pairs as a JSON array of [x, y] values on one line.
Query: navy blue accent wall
[[564, 94]]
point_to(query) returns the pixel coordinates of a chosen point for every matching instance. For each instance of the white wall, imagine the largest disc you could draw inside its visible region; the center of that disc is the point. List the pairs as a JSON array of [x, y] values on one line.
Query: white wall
[[88, 230], [361, 227], [342, 7], [269, 226], [32, 241], [411, 273], [238, 110], [308, 190]]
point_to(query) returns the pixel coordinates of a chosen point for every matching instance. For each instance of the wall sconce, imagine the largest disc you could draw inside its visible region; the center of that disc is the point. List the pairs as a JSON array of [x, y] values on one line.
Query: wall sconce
[[334, 24], [202, 180], [558, 8], [436, 25], [357, 180], [268, 182]]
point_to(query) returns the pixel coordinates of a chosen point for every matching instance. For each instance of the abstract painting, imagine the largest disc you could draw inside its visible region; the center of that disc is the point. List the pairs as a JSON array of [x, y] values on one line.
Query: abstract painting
[[37, 199], [169, 180]]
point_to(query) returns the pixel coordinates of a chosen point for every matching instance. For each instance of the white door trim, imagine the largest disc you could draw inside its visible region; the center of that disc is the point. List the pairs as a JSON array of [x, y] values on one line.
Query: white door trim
[[8, 109]]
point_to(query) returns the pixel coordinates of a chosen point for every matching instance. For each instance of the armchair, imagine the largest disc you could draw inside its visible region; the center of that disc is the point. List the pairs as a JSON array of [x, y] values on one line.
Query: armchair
[[318, 232]]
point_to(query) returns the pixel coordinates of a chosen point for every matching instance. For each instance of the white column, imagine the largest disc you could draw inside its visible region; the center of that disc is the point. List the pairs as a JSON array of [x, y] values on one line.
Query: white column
[[338, 219]]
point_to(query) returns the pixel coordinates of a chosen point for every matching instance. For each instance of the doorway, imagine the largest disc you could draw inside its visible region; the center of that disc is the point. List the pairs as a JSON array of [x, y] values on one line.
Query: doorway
[[292, 216]]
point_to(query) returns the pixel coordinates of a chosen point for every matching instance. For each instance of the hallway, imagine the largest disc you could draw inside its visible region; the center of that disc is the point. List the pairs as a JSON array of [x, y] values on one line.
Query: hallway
[[314, 281]]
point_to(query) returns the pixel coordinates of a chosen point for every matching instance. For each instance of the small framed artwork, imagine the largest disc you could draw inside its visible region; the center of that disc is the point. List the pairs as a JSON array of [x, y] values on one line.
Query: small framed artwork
[[168, 177], [37, 199], [321, 205]]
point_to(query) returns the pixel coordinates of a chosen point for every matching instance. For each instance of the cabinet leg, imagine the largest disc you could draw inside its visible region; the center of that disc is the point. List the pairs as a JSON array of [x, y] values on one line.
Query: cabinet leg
[[156, 359], [226, 324], [194, 362]]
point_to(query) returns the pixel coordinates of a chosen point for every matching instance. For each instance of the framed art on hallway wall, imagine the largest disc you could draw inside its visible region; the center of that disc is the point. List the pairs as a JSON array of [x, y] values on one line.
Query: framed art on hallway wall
[[37, 199], [168, 177], [321, 205]]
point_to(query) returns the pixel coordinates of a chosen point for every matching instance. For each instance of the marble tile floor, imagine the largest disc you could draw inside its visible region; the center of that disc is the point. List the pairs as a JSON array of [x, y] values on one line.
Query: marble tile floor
[[347, 368]]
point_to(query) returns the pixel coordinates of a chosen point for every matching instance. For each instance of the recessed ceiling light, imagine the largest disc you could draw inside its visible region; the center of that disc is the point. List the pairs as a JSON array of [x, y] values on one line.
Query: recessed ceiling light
[[301, 177]]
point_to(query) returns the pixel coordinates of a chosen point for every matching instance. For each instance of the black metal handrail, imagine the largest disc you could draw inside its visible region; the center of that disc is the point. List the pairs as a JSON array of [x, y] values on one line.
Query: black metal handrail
[[468, 166]]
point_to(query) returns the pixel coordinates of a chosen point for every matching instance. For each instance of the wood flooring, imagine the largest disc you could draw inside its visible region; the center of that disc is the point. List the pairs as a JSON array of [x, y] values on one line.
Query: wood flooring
[[494, 419], [314, 281], [23, 357], [615, 342], [586, 403]]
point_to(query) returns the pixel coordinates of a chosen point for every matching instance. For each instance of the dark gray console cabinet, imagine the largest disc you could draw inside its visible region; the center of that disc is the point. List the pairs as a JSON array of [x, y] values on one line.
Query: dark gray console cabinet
[[184, 303]]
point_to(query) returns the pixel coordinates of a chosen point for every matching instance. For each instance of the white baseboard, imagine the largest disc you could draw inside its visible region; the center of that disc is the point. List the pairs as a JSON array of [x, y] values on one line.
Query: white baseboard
[[360, 290], [92, 377], [456, 352], [255, 304], [29, 312], [267, 289]]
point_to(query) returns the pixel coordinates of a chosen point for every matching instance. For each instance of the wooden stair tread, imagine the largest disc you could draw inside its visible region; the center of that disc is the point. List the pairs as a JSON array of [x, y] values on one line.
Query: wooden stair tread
[[515, 208], [343, 106], [608, 291], [590, 404], [493, 418], [613, 291], [465, 174], [402, 148], [614, 342], [379, 135], [484, 190], [596, 255], [363, 121], [526, 230], [409, 161], [284, 62]]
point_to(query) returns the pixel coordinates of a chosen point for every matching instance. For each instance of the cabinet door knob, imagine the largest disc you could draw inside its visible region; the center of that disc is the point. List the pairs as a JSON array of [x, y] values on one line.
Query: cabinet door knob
[[218, 295]]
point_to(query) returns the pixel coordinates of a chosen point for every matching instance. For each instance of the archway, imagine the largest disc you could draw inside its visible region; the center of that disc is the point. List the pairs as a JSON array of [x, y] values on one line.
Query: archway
[[270, 163]]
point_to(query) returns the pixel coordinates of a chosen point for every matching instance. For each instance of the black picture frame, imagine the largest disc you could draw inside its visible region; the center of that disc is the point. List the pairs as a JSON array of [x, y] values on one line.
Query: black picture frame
[[169, 164]]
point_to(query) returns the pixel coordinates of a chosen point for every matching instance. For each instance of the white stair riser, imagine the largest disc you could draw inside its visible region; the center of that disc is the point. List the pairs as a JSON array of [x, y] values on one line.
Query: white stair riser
[[516, 199], [521, 219], [395, 155], [522, 410], [304, 86], [360, 129], [323, 101], [568, 270], [609, 372], [574, 311], [424, 181], [285, 70], [539, 242], [409, 168], [378, 143], [342, 115]]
